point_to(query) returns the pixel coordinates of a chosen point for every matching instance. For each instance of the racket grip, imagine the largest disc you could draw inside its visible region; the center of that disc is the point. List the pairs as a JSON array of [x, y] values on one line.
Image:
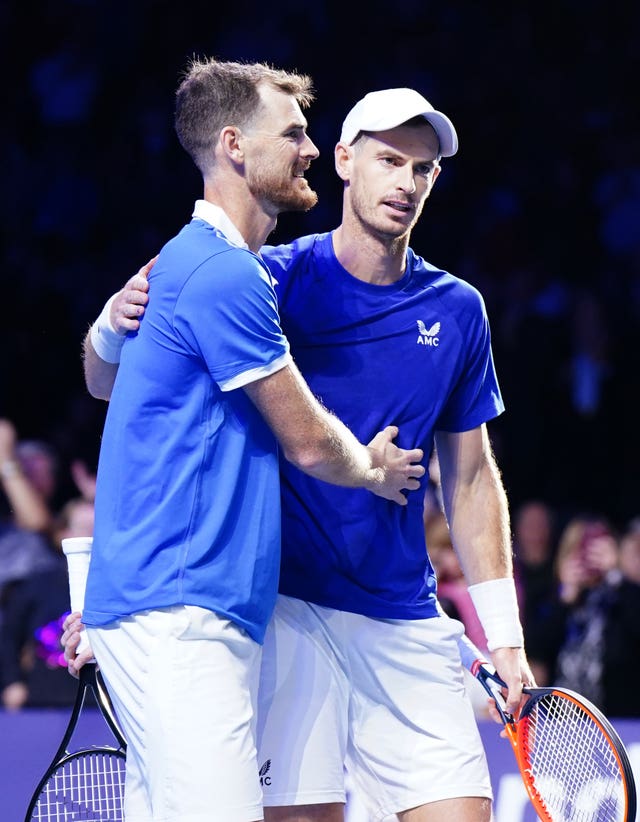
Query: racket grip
[[78, 553]]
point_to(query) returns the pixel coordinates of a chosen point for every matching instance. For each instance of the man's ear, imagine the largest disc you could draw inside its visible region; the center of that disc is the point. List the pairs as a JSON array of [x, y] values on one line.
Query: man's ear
[[231, 143], [343, 155]]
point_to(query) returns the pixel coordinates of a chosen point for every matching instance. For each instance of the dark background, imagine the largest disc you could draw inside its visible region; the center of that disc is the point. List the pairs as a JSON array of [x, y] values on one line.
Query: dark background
[[540, 209]]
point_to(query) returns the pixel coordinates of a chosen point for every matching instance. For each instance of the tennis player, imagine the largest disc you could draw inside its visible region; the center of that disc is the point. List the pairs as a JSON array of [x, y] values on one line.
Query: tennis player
[[186, 550], [358, 666]]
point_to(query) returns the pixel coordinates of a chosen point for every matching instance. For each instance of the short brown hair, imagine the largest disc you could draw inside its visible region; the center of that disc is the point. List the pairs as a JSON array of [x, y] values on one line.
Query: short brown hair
[[214, 94]]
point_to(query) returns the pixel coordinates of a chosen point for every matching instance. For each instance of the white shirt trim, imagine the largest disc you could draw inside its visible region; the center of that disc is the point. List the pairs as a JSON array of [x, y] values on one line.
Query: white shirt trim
[[215, 216], [254, 374]]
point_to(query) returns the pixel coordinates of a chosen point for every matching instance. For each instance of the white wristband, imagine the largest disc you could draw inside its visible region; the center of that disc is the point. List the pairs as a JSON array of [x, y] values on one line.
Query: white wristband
[[105, 340], [496, 604]]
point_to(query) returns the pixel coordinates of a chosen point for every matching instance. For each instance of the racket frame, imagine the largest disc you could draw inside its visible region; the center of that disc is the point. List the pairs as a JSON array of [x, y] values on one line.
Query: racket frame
[[89, 681], [493, 684]]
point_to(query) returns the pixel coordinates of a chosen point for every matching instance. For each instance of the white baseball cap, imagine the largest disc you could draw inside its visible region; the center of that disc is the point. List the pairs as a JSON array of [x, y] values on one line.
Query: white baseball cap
[[381, 110]]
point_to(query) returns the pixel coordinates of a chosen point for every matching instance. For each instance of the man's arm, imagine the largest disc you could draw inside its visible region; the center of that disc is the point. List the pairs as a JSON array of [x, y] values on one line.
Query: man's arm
[[102, 344], [312, 439], [476, 506], [475, 503], [99, 375], [319, 444], [30, 510]]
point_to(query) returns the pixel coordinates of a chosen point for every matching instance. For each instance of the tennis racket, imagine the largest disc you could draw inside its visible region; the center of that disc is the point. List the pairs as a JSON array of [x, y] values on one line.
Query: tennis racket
[[574, 765], [87, 784]]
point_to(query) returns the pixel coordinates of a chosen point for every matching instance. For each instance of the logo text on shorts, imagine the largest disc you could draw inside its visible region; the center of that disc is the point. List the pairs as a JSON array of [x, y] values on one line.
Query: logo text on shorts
[[264, 770]]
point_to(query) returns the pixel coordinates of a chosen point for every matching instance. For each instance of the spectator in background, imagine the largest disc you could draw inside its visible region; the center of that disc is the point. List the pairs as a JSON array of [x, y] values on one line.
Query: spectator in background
[[28, 477], [592, 624], [629, 560], [534, 550], [33, 671], [33, 578], [24, 522], [22, 553]]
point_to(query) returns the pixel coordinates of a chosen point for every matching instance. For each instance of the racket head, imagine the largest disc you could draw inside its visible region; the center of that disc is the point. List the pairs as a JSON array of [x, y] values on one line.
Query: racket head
[[87, 784], [572, 761]]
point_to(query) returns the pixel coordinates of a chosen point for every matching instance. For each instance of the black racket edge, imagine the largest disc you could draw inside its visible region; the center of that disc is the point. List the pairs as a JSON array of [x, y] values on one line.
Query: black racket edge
[[89, 679], [485, 675], [104, 750], [104, 704]]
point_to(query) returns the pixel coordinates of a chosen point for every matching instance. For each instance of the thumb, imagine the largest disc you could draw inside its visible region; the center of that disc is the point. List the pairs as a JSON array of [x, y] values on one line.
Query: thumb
[[384, 437], [146, 268]]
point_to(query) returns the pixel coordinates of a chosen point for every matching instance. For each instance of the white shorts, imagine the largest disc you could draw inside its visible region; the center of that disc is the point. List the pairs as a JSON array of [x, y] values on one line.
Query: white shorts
[[385, 697], [183, 682]]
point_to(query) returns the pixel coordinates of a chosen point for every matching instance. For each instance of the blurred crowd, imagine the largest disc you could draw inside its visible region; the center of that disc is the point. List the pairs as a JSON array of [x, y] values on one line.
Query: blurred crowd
[[578, 583], [34, 588], [540, 210]]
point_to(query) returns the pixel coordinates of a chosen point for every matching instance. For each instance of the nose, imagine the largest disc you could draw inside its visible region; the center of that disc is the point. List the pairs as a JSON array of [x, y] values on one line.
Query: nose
[[309, 148], [406, 181]]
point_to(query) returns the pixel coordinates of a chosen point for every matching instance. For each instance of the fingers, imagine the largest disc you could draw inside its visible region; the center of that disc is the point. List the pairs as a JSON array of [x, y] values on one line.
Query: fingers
[[76, 661], [398, 497], [406, 485], [135, 295], [70, 642], [70, 639], [401, 469], [415, 470], [416, 455], [129, 306], [83, 657], [138, 284], [72, 620], [513, 700]]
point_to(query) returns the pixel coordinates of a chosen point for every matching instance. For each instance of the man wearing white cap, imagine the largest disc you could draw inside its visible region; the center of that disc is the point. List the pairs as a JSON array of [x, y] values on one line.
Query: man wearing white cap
[[359, 666], [383, 110]]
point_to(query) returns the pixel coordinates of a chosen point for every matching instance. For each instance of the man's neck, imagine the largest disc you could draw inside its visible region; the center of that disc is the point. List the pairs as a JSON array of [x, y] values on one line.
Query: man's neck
[[368, 256], [247, 215]]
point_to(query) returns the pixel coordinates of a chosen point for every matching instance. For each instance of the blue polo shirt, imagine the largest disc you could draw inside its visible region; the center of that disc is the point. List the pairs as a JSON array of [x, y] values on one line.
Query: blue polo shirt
[[188, 500]]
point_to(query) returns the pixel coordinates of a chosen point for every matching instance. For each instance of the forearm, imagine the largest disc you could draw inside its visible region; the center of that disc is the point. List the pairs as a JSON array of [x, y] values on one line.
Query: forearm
[[478, 518], [319, 444], [477, 510], [99, 375], [480, 532], [311, 438], [330, 452]]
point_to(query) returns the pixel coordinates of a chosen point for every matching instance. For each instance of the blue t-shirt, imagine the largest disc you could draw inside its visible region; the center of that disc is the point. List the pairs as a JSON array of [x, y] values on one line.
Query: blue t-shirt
[[416, 354], [188, 502]]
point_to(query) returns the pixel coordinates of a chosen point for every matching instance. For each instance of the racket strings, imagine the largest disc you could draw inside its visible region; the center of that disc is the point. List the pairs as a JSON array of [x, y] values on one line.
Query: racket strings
[[572, 764], [88, 787]]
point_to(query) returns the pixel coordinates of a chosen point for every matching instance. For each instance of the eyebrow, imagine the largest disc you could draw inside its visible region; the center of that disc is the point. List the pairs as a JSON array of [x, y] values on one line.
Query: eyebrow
[[297, 124], [388, 150]]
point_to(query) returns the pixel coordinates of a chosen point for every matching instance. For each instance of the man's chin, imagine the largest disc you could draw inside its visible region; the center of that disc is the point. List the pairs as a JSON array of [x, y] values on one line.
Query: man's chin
[[301, 200]]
